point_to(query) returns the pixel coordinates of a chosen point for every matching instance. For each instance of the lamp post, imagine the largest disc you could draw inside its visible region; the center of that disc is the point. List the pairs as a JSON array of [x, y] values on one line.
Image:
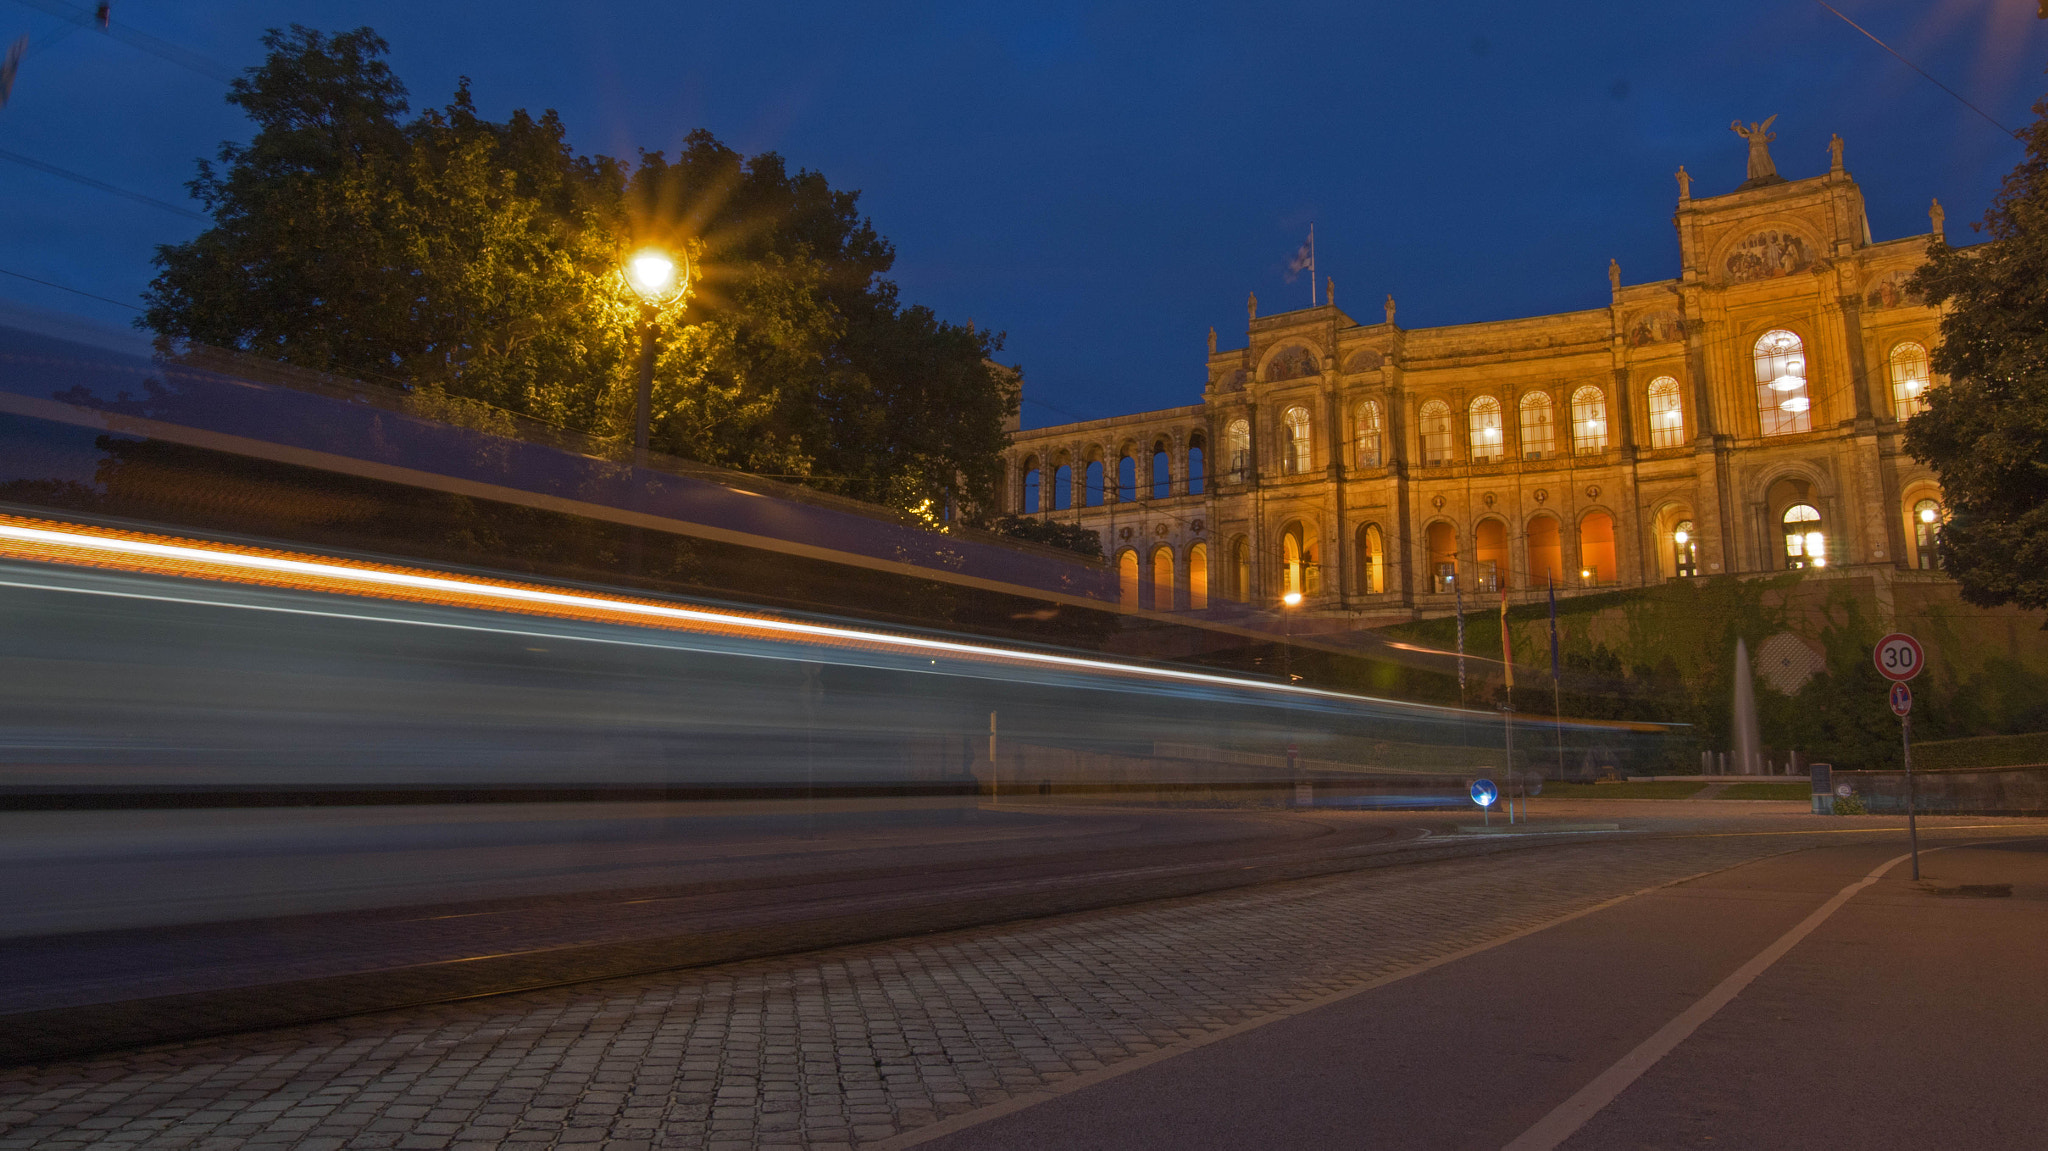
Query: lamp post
[[656, 277]]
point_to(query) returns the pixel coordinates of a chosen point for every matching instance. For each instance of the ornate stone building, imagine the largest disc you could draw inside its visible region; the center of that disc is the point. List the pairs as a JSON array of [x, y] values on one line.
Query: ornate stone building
[[1745, 416]]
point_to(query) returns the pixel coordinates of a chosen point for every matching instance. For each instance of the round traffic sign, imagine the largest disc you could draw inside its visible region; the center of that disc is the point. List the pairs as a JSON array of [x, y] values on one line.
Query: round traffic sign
[[1844, 790], [1898, 657], [1484, 793], [1902, 698]]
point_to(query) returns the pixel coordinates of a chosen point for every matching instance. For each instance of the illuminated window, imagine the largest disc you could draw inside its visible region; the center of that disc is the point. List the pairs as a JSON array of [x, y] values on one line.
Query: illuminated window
[[1539, 426], [1487, 442], [1667, 414], [1369, 434], [1436, 432], [1162, 579], [1237, 448], [1372, 560], [1685, 547], [1127, 578], [1589, 421], [1241, 570], [1198, 577], [1294, 425], [1805, 546], [1909, 380], [1927, 535], [1783, 404], [1299, 572], [1442, 540]]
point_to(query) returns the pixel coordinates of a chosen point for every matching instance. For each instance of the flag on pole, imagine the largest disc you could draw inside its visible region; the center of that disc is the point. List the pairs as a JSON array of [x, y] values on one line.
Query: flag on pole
[[1507, 639], [1553, 629], [1458, 591], [1305, 261]]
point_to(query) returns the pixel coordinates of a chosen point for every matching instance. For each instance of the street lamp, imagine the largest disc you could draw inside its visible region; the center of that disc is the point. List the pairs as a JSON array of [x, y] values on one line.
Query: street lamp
[[656, 277]]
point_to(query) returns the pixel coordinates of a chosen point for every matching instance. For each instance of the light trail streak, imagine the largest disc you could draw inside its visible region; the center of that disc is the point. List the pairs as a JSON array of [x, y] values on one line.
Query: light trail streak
[[45, 541]]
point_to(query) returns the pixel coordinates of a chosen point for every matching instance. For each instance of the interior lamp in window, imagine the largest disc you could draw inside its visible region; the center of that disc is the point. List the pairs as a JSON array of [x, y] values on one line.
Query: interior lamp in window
[[1817, 549], [1681, 535], [1926, 515], [1796, 403], [1788, 383]]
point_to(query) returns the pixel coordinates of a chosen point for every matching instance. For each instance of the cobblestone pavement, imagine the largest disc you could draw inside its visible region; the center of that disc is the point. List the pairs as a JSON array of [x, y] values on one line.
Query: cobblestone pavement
[[829, 1049]]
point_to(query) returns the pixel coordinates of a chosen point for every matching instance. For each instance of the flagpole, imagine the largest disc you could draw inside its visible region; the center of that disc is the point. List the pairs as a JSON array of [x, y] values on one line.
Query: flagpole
[[1556, 697]]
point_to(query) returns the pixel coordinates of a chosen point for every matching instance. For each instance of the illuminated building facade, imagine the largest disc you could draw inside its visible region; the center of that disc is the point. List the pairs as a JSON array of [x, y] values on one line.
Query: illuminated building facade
[[1743, 417]]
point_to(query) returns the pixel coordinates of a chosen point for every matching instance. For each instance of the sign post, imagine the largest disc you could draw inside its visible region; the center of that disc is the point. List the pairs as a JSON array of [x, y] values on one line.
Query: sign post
[[1899, 658], [1483, 794]]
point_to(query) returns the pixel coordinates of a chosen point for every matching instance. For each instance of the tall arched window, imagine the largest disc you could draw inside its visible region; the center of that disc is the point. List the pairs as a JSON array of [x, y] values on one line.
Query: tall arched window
[[1063, 487], [1487, 441], [1127, 578], [1436, 432], [1162, 579], [1198, 466], [1783, 405], [1927, 535], [1596, 549], [1126, 476], [1162, 472], [1442, 540], [1667, 413], [1372, 560], [1091, 484], [1685, 548], [1198, 577], [1369, 434], [1909, 380], [1033, 483], [1589, 421], [1546, 551], [1490, 556], [1299, 571], [1805, 545], [1539, 428], [1295, 455], [1237, 449], [1240, 570]]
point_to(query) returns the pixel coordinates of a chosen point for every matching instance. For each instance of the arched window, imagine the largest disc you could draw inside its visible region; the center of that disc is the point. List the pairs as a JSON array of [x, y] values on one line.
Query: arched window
[[1198, 461], [1063, 487], [1368, 441], [1487, 441], [1162, 579], [1596, 549], [1436, 433], [1442, 539], [1294, 425], [1198, 577], [1589, 421], [1667, 413], [1237, 449], [1490, 555], [1127, 578], [1546, 551], [1685, 548], [1927, 535], [1372, 560], [1126, 476], [1092, 484], [1162, 472], [1805, 545], [1033, 481], [1240, 572], [1783, 405], [1539, 428], [1299, 570], [1909, 380]]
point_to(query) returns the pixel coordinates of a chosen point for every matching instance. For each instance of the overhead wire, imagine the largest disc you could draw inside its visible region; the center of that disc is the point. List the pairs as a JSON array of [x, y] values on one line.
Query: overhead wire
[[1923, 72]]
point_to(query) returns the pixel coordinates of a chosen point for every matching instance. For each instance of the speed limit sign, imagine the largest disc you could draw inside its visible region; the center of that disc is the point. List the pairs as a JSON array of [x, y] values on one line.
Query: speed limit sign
[[1899, 657]]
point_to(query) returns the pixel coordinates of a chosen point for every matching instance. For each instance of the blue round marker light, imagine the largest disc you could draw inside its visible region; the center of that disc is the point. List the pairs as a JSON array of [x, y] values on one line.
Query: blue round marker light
[[1484, 793]]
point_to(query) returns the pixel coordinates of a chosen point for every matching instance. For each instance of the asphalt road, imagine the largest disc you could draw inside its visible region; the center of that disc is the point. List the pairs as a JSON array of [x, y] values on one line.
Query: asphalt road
[[1910, 1017]]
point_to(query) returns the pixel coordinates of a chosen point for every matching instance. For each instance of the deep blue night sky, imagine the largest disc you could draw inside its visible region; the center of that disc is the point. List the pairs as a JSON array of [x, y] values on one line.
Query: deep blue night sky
[[1104, 182]]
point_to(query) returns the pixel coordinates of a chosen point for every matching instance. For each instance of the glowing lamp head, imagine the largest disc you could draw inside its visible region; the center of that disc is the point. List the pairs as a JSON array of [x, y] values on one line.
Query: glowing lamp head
[[652, 274], [1291, 599], [1681, 535], [1787, 383], [1796, 404], [1585, 573], [1926, 515]]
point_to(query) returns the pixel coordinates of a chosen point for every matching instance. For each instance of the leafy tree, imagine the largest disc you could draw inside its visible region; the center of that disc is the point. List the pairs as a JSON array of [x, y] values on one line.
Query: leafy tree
[[1985, 432], [1073, 537], [472, 261]]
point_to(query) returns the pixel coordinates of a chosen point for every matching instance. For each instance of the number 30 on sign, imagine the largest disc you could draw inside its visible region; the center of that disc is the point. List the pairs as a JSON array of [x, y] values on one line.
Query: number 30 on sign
[[1899, 657]]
